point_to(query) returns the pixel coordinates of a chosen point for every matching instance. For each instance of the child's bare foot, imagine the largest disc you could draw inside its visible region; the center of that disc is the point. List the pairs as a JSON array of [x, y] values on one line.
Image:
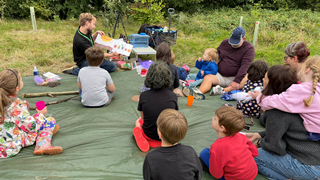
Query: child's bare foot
[[135, 98], [179, 92]]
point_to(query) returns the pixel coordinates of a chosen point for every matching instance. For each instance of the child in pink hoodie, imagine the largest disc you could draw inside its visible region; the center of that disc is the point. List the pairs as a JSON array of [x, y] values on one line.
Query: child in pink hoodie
[[301, 98]]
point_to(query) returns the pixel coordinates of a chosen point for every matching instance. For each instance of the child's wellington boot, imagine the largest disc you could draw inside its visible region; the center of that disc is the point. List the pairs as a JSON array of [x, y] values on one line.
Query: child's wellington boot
[[43, 142], [56, 129], [49, 150]]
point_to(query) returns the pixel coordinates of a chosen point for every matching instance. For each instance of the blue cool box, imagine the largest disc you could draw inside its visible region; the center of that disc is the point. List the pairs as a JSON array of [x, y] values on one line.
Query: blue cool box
[[139, 40]]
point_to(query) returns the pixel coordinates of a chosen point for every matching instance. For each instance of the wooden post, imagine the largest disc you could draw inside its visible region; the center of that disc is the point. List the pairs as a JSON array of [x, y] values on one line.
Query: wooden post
[[241, 20], [33, 19], [255, 35]]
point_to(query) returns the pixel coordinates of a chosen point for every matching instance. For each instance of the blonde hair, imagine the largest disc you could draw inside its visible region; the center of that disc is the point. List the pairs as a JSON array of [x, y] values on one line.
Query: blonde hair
[[84, 17], [173, 125], [9, 80], [231, 118], [213, 54], [314, 64]]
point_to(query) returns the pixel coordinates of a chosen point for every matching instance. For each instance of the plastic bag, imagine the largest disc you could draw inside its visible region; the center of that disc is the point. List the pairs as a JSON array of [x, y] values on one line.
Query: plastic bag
[[243, 96]]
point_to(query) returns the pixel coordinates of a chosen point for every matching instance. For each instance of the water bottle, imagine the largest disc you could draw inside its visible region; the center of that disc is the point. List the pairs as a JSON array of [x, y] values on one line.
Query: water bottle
[[35, 71], [165, 29]]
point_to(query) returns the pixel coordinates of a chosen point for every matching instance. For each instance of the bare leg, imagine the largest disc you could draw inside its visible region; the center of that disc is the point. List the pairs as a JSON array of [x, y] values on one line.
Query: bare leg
[[135, 98], [243, 81], [208, 82], [137, 122], [228, 89]]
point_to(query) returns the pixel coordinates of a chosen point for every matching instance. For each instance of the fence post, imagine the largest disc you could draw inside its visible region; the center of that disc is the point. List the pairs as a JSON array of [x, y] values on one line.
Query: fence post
[[255, 35], [241, 20], [33, 19]]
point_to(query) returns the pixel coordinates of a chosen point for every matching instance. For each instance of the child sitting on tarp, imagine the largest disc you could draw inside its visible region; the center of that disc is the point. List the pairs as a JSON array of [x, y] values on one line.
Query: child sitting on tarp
[[163, 54], [96, 87], [231, 155], [184, 161], [18, 128], [255, 74], [207, 65], [152, 103]]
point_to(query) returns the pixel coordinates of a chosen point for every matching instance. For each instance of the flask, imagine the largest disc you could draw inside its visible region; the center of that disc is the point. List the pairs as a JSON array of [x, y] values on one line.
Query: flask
[[35, 71]]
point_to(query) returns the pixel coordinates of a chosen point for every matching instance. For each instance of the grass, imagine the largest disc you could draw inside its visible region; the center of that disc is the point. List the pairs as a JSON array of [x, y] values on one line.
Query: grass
[[50, 48]]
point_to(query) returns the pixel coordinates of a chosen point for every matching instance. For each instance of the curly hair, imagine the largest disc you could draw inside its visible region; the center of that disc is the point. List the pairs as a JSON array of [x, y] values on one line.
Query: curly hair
[[159, 76], [84, 17]]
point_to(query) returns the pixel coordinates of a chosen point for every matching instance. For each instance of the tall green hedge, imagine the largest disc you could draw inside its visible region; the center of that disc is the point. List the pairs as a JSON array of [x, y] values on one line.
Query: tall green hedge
[[46, 9]]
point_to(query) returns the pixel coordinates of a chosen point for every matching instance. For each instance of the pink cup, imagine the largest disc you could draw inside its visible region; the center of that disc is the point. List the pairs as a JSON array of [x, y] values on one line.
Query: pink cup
[[40, 105]]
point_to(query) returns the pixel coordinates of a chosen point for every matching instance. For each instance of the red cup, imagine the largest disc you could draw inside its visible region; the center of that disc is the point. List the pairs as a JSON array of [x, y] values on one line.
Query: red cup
[[40, 105]]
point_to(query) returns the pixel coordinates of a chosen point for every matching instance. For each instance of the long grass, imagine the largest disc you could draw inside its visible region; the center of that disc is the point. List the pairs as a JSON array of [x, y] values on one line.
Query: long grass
[[50, 48]]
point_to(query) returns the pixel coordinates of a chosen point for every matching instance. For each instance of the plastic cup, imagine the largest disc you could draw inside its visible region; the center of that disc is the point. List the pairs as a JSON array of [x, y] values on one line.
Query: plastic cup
[[190, 100], [40, 105]]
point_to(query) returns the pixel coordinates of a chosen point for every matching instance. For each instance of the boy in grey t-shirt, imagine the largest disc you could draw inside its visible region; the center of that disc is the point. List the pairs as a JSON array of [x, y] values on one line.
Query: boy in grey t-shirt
[[95, 83]]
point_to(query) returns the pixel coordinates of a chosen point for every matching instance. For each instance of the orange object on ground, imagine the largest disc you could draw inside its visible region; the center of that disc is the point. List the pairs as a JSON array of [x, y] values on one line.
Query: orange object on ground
[[140, 140], [190, 100], [153, 143]]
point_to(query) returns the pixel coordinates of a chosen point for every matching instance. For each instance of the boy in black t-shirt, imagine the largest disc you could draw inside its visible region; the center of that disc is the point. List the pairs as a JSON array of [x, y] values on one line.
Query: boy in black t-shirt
[[172, 160]]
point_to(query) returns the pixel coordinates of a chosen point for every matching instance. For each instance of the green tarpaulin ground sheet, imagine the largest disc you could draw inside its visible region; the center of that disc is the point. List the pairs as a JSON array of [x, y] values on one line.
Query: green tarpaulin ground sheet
[[98, 142]]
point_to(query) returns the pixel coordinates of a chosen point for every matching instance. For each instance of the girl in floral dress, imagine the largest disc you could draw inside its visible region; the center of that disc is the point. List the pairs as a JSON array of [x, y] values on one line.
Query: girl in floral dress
[[18, 128]]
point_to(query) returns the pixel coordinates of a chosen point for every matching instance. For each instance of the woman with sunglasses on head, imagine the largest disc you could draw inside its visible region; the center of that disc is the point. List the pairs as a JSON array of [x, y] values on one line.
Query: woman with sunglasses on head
[[296, 53]]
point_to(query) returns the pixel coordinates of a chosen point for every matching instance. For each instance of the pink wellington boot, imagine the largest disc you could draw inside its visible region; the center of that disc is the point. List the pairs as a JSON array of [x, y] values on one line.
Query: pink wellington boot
[[43, 142]]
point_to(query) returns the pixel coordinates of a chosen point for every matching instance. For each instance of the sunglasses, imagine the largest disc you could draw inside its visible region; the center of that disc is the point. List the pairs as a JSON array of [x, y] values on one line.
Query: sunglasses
[[286, 57]]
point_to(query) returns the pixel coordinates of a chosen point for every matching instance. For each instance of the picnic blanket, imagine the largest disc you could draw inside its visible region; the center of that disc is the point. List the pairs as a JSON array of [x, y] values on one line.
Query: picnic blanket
[[98, 142]]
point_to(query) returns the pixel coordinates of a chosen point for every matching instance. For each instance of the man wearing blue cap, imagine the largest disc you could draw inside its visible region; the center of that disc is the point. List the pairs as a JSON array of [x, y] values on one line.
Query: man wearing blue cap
[[236, 55]]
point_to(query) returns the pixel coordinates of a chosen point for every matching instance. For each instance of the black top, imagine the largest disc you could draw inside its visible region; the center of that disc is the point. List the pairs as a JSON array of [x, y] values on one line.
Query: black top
[[81, 42], [152, 103], [175, 77], [285, 133], [178, 162]]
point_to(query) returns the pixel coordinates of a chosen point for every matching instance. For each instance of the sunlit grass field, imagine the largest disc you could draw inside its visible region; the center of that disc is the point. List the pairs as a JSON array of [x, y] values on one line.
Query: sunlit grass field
[[50, 48]]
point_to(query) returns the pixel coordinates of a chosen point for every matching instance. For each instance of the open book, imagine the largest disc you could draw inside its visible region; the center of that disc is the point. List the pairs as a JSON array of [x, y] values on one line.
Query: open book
[[113, 45]]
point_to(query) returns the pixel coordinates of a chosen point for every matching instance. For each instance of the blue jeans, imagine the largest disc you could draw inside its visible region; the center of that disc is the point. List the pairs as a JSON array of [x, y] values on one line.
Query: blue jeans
[[193, 77], [205, 156], [107, 65], [273, 166]]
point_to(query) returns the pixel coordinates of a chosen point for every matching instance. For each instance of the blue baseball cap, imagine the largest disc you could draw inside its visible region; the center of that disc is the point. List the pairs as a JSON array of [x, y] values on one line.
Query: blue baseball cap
[[236, 36]]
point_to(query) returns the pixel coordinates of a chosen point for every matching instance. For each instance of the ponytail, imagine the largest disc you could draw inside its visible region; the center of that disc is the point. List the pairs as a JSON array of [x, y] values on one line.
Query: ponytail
[[4, 102], [307, 102], [314, 64], [9, 81]]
